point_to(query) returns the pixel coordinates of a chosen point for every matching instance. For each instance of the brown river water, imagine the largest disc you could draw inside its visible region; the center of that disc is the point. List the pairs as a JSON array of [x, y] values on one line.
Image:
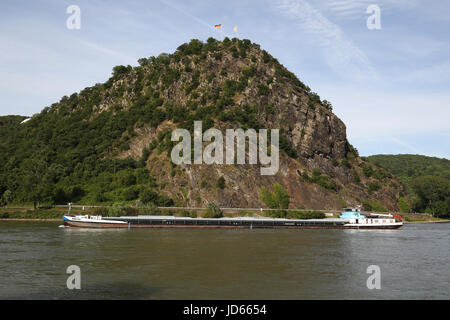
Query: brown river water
[[223, 263]]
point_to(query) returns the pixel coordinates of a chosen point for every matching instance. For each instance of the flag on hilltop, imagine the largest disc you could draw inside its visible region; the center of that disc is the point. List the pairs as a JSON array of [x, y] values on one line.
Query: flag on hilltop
[[217, 26]]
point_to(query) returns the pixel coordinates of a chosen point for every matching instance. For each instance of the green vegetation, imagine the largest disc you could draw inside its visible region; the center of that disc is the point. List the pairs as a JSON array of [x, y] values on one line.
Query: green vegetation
[[379, 174], [433, 195], [31, 214], [221, 183], [414, 217], [278, 199], [373, 205], [6, 198], [291, 214], [139, 208], [213, 211], [356, 176], [373, 186], [403, 205], [407, 167], [426, 180], [320, 179]]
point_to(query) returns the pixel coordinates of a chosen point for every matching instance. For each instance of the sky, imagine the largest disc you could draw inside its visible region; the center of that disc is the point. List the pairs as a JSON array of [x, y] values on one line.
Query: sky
[[390, 85]]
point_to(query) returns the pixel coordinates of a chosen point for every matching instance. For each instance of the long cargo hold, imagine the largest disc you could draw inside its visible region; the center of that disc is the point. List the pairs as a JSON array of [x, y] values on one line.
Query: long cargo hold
[[240, 222]]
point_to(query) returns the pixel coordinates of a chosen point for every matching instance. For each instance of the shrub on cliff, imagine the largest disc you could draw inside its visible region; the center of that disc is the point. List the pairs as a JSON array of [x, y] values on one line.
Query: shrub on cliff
[[278, 199], [221, 183], [213, 211]]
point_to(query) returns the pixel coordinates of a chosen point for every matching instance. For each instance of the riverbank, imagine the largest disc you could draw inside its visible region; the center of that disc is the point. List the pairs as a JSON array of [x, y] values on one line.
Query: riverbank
[[421, 218], [55, 214], [427, 221], [29, 220], [27, 214]]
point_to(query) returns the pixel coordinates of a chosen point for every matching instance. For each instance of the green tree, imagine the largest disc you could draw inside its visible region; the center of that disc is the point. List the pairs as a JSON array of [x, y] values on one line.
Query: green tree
[[281, 196], [164, 201], [148, 196], [127, 178], [267, 198], [142, 176], [6, 198], [116, 210], [278, 199], [130, 193], [373, 205], [403, 205], [434, 194], [34, 172]]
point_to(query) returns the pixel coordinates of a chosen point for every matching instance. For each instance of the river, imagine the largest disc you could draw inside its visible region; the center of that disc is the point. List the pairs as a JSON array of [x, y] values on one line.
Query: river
[[223, 263]]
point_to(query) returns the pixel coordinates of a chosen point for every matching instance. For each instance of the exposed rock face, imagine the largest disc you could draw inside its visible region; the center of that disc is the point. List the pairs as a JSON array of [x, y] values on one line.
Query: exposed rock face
[[208, 80]]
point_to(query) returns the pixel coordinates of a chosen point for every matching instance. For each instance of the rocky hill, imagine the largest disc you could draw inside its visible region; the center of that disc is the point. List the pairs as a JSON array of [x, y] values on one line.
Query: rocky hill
[[111, 142]]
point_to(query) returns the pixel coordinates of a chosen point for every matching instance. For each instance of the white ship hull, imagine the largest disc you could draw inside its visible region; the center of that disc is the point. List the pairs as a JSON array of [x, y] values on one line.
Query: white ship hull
[[92, 222]]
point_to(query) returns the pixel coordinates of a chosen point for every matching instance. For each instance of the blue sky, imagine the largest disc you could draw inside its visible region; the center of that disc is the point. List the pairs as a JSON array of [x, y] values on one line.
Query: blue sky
[[389, 86]]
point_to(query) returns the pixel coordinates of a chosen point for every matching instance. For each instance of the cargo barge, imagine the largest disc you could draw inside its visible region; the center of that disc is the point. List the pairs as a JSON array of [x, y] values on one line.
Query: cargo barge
[[350, 219]]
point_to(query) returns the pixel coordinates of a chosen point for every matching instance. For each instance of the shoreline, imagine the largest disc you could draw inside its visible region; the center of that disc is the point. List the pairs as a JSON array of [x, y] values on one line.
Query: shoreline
[[28, 219], [54, 220], [427, 221]]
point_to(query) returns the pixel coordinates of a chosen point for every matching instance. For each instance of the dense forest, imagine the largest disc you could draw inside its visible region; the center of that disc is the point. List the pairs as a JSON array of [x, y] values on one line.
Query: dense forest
[[426, 179]]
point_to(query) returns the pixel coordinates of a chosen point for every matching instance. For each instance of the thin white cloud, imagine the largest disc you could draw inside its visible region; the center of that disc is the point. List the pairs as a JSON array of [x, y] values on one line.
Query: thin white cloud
[[112, 53], [406, 145], [340, 53], [346, 7], [356, 9]]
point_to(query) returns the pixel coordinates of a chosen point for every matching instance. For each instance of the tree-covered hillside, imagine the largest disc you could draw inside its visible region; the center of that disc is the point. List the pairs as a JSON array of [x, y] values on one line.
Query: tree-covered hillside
[[426, 179]]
